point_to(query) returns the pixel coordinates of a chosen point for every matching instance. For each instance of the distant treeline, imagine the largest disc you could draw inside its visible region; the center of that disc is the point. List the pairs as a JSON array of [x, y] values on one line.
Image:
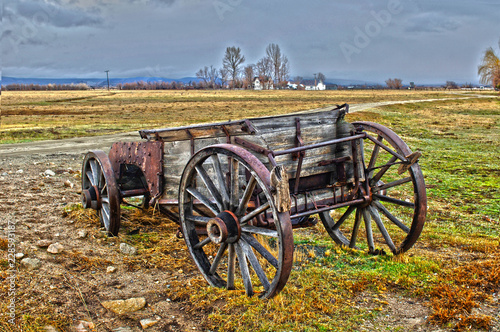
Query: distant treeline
[[142, 85], [48, 87]]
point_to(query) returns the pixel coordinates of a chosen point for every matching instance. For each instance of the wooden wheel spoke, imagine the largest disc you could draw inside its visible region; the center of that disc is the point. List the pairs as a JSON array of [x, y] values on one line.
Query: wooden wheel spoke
[[203, 200], [212, 189], [255, 264], [382, 171], [355, 229], [198, 220], [235, 183], [368, 229], [95, 171], [201, 244], [254, 213], [259, 230], [382, 229], [105, 200], [221, 180], [389, 216], [391, 184], [394, 200], [374, 156], [218, 258], [260, 249], [246, 196], [90, 176], [231, 266], [245, 272], [344, 217]]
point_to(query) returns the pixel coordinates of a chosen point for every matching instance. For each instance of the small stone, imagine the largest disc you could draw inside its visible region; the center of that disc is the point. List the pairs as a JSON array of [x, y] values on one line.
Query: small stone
[[69, 184], [127, 249], [31, 263], [5, 174], [121, 307], [84, 326], [49, 328], [19, 255], [123, 329], [43, 243], [49, 173], [19, 171], [81, 234], [55, 248], [145, 323], [110, 269]]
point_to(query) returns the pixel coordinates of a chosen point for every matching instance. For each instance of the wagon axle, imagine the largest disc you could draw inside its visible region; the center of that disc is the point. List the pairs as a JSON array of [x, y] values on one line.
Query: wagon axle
[[225, 228]]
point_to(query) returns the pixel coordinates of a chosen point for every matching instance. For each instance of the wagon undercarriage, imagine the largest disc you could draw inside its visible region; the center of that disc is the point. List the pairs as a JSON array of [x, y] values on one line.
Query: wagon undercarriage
[[237, 189]]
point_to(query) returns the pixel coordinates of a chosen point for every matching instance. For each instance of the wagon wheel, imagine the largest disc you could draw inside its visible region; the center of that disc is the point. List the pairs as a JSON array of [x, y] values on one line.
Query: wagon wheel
[[100, 190], [394, 214], [225, 203]]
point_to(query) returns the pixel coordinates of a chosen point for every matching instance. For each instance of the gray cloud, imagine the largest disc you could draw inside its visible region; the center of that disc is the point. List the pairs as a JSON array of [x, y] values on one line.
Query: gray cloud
[[431, 22], [51, 13]]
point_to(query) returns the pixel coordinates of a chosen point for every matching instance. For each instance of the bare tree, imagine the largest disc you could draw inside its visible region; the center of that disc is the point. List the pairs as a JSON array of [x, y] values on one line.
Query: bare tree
[[394, 83], [321, 77], [264, 69], [202, 74], [232, 61], [451, 85], [284, 71], [213, 74], [249, 74], [489, 69], [224, 77], [273, 52]]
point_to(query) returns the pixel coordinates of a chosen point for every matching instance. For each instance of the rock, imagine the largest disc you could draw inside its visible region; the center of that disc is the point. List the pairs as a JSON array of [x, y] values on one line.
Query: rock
[[127, 249], [121, 307], [110, 269], [145, 323], [123, 329], [85, 326], [19, 171], [5, 174], [31, 263], [55, 248], [69, 184], [43, 243], [19, 255], [49, 328], [49, 173], [81, 234]]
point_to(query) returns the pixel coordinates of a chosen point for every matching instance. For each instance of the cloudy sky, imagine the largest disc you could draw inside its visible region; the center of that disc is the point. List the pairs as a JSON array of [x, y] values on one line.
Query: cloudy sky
[[424, 41]]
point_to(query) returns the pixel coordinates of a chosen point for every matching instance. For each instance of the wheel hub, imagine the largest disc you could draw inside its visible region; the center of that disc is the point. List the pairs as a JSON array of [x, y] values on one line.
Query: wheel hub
[[91, 198], [225, 227]]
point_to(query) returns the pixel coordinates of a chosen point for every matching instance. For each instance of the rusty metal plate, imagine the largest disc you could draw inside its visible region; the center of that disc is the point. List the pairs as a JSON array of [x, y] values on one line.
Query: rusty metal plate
[[148, 156]]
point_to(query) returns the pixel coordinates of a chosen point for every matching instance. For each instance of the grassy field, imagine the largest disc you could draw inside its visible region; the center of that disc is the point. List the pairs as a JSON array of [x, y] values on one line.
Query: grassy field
[[38, 115], [454, 268]]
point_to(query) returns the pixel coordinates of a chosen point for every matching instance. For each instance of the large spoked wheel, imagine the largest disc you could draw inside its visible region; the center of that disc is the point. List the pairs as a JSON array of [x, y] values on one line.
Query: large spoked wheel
[[100, 190], [228, 215], [394, 214]]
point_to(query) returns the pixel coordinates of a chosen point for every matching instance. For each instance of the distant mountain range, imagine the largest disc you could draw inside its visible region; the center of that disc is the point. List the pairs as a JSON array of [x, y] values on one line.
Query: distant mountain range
[[92, 82]]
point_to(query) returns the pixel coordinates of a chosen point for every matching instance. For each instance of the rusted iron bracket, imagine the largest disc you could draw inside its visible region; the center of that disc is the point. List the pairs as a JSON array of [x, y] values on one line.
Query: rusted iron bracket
[[148, 156]]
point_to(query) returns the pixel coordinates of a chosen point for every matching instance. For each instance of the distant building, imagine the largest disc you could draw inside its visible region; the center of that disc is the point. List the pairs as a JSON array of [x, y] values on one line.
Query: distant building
[[259, 84], [308, 85]]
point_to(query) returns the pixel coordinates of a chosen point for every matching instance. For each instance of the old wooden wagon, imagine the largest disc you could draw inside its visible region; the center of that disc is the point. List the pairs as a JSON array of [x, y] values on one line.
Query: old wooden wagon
[[238, 189]]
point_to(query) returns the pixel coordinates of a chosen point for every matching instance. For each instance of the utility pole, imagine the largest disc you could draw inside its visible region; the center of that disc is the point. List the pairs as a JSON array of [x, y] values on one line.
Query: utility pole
[[315, 81], [107, 76]]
